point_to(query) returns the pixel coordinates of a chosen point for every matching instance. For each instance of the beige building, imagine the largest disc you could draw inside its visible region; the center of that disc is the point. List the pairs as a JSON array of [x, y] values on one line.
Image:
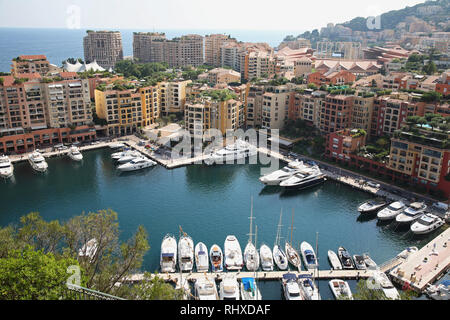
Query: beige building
[[173, 96], [148, 47], [362, 112], [105, 47], [296, 44], [213, 45], [275, 107], [220, 75], [302, 67], [30, 64], [311, 107]]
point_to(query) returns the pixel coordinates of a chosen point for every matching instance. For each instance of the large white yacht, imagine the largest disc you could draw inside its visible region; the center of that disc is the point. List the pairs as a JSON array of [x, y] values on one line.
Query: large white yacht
[[306, 178], [37, 161], [229, 288], [136, 164], [291, 288], [238, 150], [205, 288], [130, 155], [186, 253], [6, 167], [233, 254], [426, 224], [275, 178], [392, 211], [412, 213], [75, 154], [168, 259]]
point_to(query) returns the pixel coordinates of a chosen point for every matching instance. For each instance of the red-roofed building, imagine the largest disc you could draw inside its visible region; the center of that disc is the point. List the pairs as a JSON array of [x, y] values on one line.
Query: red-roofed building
[[332, 78]]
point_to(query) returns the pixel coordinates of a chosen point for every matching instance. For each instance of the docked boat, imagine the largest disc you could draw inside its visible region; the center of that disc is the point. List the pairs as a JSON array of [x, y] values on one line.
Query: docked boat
[[392, 211], [440, 291], [6, 167], [427, 223], [309, 288], [309, 256], [250, 290], [117, 155], [334, 260], [117, 145], [360, 263], [136, 164], [216, 257], [412, 213], [168, 259], [238, 150], [205, 289], [229, 288], [201, 257], [251, 256], [370, 264], [266, 257], [340, 289], [131, 155], [306, 178], [89, 249], [292, 255], [75, 154], [186, 253], [280, 258], [37, 161], [371, 206], [382, 280], [345, 258], [233, 254], [291, 288], [275, 178]]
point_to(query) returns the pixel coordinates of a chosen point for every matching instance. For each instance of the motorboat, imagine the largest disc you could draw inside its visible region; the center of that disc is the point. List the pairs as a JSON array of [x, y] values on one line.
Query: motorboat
[[392, 211], [360, 264], [186, 253], [136, 164], [306, 178], [340, 289], [370, 264], [334, 260], [229, 288], [382, 281], [251, 257], [280, 258], [292, 255], [238, 150], [130, 156], [168, 259], [309, 288], [275, 178], [37, 161], [205, 288], [216, 257], [440, 291], [250, 290], [412, 213], [201, 257], [345, 258], [371, 206], [118, 155], [233, 254], [89, 249], [117, 145], [291, 288], [266, 257], [426, 224], [6, 167], [75, 154], [309, 256]]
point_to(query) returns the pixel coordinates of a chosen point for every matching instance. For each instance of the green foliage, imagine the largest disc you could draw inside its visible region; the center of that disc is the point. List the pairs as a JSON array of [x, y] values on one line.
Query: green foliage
[[430, 68], [364, 293], [431, 97], [155, 288], [220, 95], [1, 81], [20, 80], [131, 69]]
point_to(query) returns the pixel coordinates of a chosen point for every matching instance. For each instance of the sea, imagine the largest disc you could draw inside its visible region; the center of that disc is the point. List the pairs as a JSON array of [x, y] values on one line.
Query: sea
[[60, 44]]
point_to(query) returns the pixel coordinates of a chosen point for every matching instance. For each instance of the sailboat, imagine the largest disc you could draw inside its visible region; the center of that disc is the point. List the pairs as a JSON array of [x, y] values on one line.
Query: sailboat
[[278, 254], [251, 256], [249, 287], [292, 254]]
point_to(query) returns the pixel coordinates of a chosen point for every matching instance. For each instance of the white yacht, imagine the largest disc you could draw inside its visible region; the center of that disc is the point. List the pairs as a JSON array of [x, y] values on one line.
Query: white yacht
[[205, 288], [229, 288], [306, 178], [440, 291], [6, 167], [118, 155], [292, 255], [412, 213], [233, 254], [266, 258], [201, 257], [382, 280], [168, 259], [334, 260], [216, 256], [360, 263], [251, 257], [291, 288], [186, 253], [275, 178], [75, 154], [89, 249], [37, 161], [131, 155], [371, 206], [392, 211], [309, 288], [340, 289], [370, 264], [250, 290], [117, 145], [309, 256], [426, 224], [238, 150], [136, 164]]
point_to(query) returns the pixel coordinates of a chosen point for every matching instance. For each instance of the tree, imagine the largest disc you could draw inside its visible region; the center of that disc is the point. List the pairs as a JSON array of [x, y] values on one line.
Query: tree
[[430, 68], [155, 288], [363, 292]]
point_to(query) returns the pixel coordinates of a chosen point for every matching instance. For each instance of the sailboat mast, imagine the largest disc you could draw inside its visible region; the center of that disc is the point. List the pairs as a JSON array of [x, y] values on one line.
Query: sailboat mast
[[317, 260], [292, 225], [251, 221], [277, 240], [254, 272]]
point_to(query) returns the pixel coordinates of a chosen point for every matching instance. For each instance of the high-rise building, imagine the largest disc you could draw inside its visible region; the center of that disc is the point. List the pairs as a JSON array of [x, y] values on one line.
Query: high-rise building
[[105, 47], [213, 45], [148, 46], [30, 64], [173, 96]]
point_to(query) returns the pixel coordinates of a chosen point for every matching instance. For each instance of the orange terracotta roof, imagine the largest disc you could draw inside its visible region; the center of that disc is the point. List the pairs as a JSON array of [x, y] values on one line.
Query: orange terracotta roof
[[33, 57], [66, 75]]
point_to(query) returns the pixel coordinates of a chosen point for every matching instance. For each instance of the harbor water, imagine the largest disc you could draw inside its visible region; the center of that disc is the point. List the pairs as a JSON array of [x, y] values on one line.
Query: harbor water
[[209, 203]]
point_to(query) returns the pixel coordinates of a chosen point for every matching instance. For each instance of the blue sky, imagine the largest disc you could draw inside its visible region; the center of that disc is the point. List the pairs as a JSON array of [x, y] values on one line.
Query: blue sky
[[189, 14]]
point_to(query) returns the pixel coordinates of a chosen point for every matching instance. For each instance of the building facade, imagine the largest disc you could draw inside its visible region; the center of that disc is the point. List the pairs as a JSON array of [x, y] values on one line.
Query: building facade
[[104, 47]]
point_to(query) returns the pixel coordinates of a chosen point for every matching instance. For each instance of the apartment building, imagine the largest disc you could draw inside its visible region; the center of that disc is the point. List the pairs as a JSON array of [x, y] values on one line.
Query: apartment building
[[104, 47], [254, 105], [302, 67], [173, 96], [336, 113], [181, 52], [362, 112], [220, 75], [259, 64], [275, 107], [148, 47], [296, 44], [311, 107], [30, 64], [343, 143], [199, 117], [213, 45]]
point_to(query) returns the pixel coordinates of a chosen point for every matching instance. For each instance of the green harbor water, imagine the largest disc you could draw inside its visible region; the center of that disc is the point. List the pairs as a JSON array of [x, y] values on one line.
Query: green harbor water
[[208, 202]]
